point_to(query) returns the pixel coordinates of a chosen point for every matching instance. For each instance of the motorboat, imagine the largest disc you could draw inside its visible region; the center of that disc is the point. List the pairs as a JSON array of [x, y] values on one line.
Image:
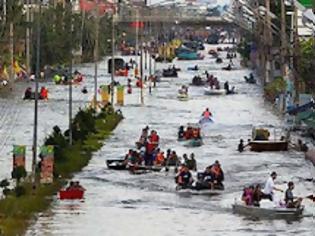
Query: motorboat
[[269, 213], [210, 91]]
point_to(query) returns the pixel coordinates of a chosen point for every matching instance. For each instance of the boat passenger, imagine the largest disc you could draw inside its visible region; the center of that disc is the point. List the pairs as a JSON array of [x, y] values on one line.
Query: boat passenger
[[207, 114], [28, 94], [241, 146], [227, 87], [257, 195], [188, 133], [77, 186], [270, 187], [191, 162], [71, 186], [160, 159], [43, 93], [290, 200], [84, 90], [181, 132], [184, 178], [217, 173], [172, 160], [247, 196]]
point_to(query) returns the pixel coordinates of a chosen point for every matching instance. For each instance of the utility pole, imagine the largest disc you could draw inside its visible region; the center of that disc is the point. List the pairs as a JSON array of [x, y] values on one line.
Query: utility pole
[[137, 38], [38, 43], [28, 45], [283, 39], [4, 11], [268, 42], [296, 54], [11, 34], [141, 72], [96, 52], [71, 79], [113, 62]]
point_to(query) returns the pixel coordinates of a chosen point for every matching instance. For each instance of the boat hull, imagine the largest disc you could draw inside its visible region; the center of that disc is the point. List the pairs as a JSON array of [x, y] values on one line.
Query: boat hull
[[269, 213], [268, 146], [192, 142], [214, 92]]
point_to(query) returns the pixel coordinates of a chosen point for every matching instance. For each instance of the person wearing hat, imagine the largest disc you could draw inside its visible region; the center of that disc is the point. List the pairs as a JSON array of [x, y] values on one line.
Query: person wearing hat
[[270, 187]]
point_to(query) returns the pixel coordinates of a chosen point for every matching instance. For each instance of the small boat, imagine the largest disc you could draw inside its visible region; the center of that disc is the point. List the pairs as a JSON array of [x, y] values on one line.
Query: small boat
[[204, 120], [219, 60], [116, 164], [192, 142], [198, 81], [268, 145], [228, 68], [261, 141], [250, 80], [193, 68], [71, 194], [269, 213], [183, 96], [197, 190], [169, 73], [209, 91]]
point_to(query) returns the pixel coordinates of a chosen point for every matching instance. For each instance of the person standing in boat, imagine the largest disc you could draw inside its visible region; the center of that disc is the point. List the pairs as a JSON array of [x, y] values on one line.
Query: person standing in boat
[[290, 200], [269, 188]]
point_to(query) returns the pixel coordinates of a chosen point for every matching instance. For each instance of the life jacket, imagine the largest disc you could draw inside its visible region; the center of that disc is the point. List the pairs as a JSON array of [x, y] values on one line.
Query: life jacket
[[150, 148], [207, 114], [160, 159], [154, 139], [216, 171]]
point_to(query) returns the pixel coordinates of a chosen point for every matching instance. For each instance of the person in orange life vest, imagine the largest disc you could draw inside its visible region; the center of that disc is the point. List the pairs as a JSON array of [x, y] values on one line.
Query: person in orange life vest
[[216, 172], [154, 138], [207, 114], [189, 133], [196, 133], [43, 93], [160, 159]]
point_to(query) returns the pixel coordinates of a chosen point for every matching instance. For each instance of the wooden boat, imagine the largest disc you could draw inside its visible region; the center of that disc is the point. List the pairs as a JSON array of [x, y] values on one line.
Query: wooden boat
[[268, 145], [270, 213], [71, 194], [209, 91]]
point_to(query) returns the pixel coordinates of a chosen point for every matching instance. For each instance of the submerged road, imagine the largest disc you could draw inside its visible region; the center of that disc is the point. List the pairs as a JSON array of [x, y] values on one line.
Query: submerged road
[[117, 203]]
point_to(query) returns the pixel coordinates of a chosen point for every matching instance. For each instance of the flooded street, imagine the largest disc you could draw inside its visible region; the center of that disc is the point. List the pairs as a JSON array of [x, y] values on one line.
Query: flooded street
[[118, 203]]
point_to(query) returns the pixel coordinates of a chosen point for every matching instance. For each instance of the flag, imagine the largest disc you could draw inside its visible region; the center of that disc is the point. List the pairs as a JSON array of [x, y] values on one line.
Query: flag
[[19, 71]]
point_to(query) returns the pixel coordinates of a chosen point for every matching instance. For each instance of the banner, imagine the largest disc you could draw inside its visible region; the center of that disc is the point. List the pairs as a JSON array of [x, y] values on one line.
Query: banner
[[120, 95], [104, 91], [103, 8], [137, 24], [307, 3], [19, 156], [47, 164]]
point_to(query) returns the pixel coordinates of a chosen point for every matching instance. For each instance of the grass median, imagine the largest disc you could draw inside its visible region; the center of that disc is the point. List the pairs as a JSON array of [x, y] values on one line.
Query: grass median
[[90, 130]]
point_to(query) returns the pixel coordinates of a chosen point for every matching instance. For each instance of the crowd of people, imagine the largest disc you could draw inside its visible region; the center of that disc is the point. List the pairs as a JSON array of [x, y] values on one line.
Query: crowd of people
[[189, 133]]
